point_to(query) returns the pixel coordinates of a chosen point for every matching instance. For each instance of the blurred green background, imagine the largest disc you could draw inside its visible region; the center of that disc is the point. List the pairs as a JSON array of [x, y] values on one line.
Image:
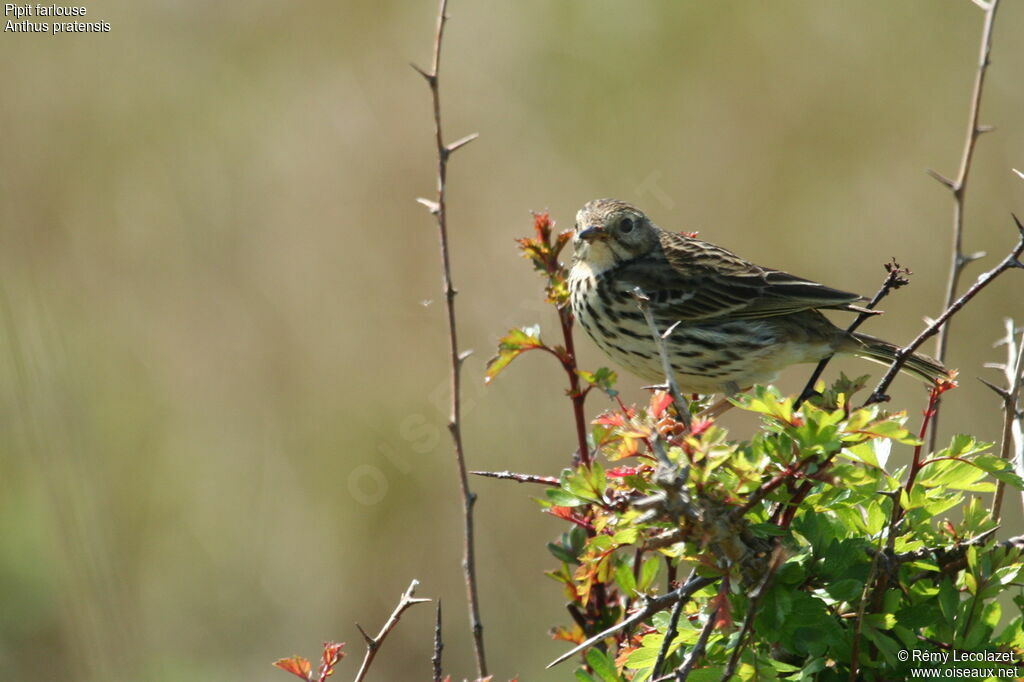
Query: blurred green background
[[222, 372]]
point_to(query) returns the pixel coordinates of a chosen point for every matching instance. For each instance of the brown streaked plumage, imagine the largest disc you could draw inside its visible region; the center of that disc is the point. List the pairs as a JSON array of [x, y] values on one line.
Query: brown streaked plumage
[[739, 323]]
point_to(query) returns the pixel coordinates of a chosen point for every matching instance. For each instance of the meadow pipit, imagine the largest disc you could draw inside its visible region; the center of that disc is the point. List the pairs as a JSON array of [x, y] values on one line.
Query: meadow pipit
[[739, 323]]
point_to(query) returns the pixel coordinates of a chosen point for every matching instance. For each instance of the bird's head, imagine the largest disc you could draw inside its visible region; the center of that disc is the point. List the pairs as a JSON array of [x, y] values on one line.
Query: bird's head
[[609, 231]]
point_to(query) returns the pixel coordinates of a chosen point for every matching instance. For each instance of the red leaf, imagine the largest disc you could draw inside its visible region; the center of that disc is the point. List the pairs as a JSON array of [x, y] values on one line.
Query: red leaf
[[332, 654], [610, 419], [561, 512], [542, 226], [567, 514], [723, 611], [296, 665], [622, 472], [660, 401], [699, 426]]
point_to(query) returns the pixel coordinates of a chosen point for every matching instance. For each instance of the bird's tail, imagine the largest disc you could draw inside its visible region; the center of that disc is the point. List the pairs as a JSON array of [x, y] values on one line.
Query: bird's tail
[[921, 366]]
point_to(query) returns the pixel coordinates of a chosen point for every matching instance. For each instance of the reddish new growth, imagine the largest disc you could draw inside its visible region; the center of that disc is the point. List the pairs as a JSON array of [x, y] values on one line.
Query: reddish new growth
[[301, 667], [543, 252]]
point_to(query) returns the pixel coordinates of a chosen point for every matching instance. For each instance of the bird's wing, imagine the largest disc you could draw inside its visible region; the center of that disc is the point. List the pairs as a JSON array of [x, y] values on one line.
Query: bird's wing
[[695, 280]]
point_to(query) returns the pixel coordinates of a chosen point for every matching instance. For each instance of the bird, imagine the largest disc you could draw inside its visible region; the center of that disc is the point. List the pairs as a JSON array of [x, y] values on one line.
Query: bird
[[731, 323]]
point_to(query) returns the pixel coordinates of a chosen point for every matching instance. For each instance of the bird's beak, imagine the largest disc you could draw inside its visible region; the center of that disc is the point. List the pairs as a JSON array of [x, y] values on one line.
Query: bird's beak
[[589, 234]]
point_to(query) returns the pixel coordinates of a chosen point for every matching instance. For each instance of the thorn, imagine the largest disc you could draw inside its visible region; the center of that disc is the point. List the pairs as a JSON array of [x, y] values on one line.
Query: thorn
[[970, 258], [941, 178], [465, 354], [668, 332], [1018, 173], [929, 321], [370, 641], [655, 387], [983, 5], [1020, 226], [429, 76], [461, 142], [432, 206], [1001, 392], [982, 129]]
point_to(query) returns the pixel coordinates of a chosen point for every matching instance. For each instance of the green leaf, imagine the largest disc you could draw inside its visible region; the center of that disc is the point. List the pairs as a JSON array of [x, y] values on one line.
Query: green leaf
[[848, 589], [953, 474], [560, 553], [624, 578], [949, 599], [603, 379], [648, 572], [767, 530], [863, 452], [510, 346], [562, 498], [999, 469], [602, 666]]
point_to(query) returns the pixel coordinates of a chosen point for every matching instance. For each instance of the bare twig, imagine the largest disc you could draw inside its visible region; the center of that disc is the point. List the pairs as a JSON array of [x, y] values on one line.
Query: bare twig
[[519, 478], [754, 605], [859, 622], [1012, 446], [435, 659], [896, 277], [1012, 260], [373, 643], [670, 634], [439, 210], [683, 672], [958, 186], [682, 407], [652, 606]]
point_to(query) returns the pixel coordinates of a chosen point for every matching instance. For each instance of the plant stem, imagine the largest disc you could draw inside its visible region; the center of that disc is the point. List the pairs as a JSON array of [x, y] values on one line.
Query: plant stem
[[440, 211], [958, 186]]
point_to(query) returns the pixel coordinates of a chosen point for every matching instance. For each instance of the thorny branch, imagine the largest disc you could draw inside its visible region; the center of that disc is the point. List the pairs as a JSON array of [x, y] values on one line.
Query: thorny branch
[[896, 277], [670, 634], [518, 478], [755, 603], [958, 186], [683, 671], [650, 607], [439, 209], [435, 659], [373, 643], [682, 407], [1012, 446], [1012, 260]]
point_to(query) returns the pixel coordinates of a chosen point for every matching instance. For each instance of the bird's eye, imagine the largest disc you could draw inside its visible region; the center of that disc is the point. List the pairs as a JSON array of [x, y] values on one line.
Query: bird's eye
[[626, 225]]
